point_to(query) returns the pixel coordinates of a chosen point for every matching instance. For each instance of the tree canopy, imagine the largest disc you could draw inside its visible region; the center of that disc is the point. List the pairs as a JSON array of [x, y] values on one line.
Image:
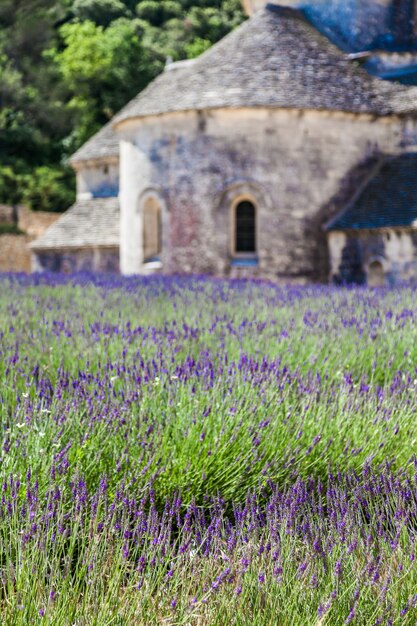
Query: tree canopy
[[67, 66]]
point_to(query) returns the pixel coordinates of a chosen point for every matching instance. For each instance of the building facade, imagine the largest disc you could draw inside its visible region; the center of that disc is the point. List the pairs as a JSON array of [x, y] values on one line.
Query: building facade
[[244, 161]]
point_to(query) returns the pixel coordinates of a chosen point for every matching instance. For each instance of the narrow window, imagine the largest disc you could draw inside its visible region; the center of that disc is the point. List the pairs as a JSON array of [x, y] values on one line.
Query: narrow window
[[376, 277], [245, 228], [151, 230]]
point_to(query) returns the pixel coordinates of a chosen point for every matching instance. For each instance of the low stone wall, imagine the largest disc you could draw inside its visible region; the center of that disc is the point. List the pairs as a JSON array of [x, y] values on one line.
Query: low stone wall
[[352, 254], [77, 260], [15, 254], [35, 223]]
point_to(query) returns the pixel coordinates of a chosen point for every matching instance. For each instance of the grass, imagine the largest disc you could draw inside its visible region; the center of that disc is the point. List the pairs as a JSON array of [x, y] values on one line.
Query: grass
[[151, 428]]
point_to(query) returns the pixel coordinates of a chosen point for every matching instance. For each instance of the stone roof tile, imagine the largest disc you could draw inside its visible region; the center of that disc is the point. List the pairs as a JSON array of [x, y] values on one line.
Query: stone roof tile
[[388, 201], [276, 59], [102, 145], [88, 223]]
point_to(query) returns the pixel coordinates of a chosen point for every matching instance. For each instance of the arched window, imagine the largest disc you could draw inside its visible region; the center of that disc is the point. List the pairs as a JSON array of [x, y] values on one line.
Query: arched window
[[245, 228], [376, 275], [152, 239]]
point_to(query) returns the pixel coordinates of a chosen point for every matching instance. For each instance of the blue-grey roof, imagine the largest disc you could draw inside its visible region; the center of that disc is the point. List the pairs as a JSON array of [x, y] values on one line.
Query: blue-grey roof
[[389, 200]]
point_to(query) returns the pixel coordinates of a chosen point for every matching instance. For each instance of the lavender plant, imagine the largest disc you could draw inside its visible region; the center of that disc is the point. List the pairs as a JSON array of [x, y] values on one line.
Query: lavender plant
[[196, 451]]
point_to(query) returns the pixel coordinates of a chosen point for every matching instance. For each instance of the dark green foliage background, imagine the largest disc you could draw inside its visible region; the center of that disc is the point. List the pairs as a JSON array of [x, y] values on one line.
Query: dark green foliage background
[[67, 66]]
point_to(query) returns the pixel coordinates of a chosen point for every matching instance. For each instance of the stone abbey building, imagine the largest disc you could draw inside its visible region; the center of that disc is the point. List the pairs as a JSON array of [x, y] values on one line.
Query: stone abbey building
[[287, 151]]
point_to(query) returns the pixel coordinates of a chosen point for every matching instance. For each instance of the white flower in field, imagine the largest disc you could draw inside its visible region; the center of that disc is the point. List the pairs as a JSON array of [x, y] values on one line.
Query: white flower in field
[[157, 380], [174, 377], [25, 395], [45, 411], [21, 425], [41, 434], [113, 378]]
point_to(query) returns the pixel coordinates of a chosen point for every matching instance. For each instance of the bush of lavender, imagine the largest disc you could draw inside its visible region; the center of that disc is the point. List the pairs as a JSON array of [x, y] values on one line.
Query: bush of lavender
[[194, 451]]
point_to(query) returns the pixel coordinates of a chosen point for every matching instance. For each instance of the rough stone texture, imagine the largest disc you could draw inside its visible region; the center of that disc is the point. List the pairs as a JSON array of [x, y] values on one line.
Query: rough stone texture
[[352, 254], [8, 214], [101, 259], [98, 179], [85, 239], [355, 24], [277, 59], [293, 165], [275, 114], [32, 223], [88, 223], [389, 198], [15, 255], [102, 145], [35, 223]]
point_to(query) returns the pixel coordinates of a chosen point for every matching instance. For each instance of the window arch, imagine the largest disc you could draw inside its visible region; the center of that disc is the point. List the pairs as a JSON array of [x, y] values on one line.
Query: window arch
[[244, 228], [152, 231]]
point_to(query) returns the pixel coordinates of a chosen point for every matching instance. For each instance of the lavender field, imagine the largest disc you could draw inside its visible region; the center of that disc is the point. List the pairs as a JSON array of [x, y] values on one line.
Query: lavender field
[[191, 451]]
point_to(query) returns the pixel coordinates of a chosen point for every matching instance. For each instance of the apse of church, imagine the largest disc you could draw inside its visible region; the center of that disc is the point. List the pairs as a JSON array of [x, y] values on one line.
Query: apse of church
[[287, 151]]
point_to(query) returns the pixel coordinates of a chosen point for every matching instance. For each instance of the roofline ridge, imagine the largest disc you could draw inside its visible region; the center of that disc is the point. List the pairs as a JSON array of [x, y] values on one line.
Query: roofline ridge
[[296, 12], [382, 158]]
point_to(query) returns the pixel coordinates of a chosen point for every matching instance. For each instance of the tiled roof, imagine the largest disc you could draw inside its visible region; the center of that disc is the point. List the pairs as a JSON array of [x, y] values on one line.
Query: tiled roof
[[87, 223], [389, 199], [401, 67], [276, 59], [102, 145]]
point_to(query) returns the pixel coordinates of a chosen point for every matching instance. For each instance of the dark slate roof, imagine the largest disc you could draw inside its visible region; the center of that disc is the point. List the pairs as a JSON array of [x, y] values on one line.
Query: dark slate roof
[[87, 223], [102, 145], [400, 67], [389, 199], [275, 59]]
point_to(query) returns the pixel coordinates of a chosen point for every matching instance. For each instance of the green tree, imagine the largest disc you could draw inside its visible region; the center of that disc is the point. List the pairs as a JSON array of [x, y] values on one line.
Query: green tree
[[197, 47], [102, 69], [49, 189], [66, 66], [101, 12]]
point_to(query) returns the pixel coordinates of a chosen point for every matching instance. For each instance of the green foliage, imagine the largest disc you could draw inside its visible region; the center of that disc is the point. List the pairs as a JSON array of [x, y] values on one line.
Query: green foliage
[[67, 66], [93, 61], [197, 47], [10, 184], [202, 390], [10, 229], [101, 12], [49, 189], [44, 188]]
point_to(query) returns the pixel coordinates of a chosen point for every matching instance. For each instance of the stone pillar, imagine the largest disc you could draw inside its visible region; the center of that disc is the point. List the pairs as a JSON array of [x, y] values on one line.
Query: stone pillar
[[134, 178]]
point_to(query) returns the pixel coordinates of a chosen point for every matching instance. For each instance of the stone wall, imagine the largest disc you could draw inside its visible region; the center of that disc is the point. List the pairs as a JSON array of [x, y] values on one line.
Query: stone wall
[[353, 254], [98, 179], [298, 168], [15, 253], [77, 260], [35, 223], [8, 214]]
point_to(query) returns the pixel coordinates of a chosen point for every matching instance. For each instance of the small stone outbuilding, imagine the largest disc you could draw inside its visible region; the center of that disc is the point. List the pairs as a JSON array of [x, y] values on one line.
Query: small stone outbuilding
[[374, 239], [87, 237], [256, 158], [19, 226]]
